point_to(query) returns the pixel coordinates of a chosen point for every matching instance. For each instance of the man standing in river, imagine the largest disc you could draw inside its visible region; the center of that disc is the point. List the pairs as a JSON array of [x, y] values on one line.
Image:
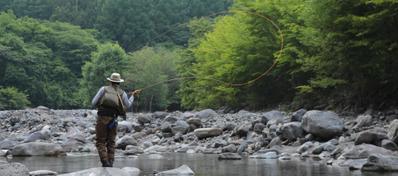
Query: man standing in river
[[111, 101]]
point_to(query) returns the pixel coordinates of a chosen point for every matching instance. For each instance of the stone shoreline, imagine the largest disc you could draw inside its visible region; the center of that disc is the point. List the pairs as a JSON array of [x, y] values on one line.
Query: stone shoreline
[[361, 142]]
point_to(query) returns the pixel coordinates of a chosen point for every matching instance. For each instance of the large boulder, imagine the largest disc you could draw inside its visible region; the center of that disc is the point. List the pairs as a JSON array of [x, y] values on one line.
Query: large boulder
[[37, 149], [388, 144], [13, 169], [242, 130], [183, 170], [322, 124], [363, 151], [372, 136], [291, 131], [7, 144], [207, 132], [125, 141], [298, 115], [101, 171], [274, 115], [205, 114], [43, 134], [144, 118], [393, 131]]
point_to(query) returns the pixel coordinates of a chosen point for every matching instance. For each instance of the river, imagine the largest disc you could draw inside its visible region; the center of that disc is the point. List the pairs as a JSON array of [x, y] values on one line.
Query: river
[[201, 164]]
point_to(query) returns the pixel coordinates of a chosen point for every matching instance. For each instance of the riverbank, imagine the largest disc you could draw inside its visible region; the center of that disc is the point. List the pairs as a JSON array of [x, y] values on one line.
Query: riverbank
[[356, 141]]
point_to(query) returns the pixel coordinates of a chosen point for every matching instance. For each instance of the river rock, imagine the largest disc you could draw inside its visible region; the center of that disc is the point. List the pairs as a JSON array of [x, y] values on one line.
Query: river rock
[[291, 131], [159, 115], [229, 156], [231, 148], [229, 126], [274, 115], [363, 120], [372, 136], [388, 144], [298, 115], [133, 150], [106, 171], [363, 151], [7, 144], [43, 134], [304, 147], [205, 114], [276, 141], [13, 169], [144, 118], [393, 131], [132, 171], [195, 121], [124, 126], [377, 162], [242, 130], [37, 148], [42, 173], [180, 127], [258, 128], [268, 155], [125, 141], [323, 124], [183, 170], [170, 119], [207, 132]]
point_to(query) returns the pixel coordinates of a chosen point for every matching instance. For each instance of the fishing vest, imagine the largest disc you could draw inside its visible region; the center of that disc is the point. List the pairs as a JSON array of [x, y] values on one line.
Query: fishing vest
[[112, 99]]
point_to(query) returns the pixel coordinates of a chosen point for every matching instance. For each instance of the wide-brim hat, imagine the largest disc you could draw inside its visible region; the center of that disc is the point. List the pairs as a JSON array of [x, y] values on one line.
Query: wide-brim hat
[[115, 77]]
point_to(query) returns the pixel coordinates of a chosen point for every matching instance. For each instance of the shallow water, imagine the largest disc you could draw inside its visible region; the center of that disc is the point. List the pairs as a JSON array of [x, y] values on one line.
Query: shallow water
[[201, 164]]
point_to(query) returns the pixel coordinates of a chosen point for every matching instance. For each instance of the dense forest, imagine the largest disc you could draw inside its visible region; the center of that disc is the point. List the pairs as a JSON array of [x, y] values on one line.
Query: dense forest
[[336, 54]]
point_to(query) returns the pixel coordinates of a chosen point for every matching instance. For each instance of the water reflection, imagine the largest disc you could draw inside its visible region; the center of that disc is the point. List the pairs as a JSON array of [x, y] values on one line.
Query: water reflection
[[201, 164]]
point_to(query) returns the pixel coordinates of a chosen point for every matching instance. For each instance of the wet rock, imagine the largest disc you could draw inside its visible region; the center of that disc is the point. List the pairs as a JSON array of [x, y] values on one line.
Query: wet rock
[[298, 115], [303, 148], [183, 170], [373, 136], [231, 148], [352, 164], [205, 114], [268, 155], [99, 171], [363, 151], [242, 130], [42, 173], [322, 124], [291, 131], [37, 149], [328, 146], [363, 121], [180, 127], [133, 150], [125, 141], [144, 118], [377, 162], [229, 156], [393, 131], [132, 171], [13, 169], [275, 142], [207, 132], [258, 128], [388, 144], [7, 144]]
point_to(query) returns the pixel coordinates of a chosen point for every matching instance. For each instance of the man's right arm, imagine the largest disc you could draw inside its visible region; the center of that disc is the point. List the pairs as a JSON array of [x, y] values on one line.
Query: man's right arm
[[98, 97]]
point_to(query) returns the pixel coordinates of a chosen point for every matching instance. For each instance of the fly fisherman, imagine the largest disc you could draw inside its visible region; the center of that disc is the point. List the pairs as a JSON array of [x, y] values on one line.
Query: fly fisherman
[[111, 102]]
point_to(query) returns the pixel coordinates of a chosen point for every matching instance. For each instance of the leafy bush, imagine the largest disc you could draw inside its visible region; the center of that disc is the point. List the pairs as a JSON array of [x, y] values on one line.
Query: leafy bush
[[12, 98]]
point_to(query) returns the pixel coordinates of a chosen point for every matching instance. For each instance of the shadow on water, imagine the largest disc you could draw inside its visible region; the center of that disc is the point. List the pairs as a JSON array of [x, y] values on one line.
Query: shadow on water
[[201, 164]]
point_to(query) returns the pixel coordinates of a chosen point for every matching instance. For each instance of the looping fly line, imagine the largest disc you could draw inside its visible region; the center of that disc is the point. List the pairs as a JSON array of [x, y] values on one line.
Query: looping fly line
[[246, 83]]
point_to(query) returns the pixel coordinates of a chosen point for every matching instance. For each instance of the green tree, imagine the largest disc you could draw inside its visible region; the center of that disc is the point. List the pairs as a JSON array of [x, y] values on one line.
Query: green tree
[[11, 98]]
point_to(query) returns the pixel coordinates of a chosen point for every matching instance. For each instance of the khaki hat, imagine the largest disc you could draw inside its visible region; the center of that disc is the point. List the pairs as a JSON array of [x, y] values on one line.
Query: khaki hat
[[115, 77]]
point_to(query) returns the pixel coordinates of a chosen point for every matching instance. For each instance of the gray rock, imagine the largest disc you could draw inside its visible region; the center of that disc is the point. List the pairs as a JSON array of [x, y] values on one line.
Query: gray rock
[[37, 149], [205, 114], [195, 121], [165, 127], [363, 151], [183, 170], [377, 162], [291, 131], [106, 171], [363, 121], [229, 126], [352, 164], [304, 147], [43, 134], [229, 156], [124, 126], [180, 127], [393, 131], [7, 144], [13, 169], [258, 128], [388, 144], [276, 141], [372, 136], [125, 141], [144, 118], [137, 127], [242, 130], [170, 119], [159, 115], [231, 148], [268, 155], [133, 150], [207, 132], [272, 115], [42, 173], [322, 124], [298, 115], [132, 171]]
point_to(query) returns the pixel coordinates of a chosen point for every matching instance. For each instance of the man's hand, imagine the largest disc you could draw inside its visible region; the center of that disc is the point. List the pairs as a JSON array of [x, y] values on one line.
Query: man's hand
[[136, 92]]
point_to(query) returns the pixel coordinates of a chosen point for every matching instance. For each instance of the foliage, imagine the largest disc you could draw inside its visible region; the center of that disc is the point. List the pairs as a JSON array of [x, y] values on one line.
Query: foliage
[[11, 98]]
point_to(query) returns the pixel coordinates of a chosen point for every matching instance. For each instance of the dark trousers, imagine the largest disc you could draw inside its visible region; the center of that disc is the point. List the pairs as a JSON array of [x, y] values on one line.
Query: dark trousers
[[105, 138]]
